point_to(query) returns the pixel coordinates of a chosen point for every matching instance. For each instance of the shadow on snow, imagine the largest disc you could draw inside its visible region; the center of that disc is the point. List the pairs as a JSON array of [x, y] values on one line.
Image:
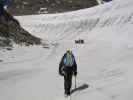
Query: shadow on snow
[[80, 88]]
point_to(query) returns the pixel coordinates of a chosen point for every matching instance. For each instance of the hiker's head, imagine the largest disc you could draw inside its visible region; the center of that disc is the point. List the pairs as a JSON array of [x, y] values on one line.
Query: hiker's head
[[69, 51]]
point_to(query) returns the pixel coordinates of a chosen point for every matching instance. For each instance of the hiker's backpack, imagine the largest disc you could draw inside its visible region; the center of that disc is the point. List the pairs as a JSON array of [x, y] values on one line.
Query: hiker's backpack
[[68, 60]]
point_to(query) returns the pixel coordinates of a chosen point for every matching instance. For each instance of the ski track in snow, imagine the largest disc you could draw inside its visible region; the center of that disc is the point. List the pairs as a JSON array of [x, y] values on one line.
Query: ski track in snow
[[104, 60]]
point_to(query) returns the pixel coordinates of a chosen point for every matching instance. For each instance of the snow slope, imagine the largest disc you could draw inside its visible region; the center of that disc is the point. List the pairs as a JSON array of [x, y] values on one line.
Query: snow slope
[[104, 60]]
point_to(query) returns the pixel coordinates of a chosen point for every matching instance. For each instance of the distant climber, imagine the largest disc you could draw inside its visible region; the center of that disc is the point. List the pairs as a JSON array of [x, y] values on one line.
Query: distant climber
[[68, 68]]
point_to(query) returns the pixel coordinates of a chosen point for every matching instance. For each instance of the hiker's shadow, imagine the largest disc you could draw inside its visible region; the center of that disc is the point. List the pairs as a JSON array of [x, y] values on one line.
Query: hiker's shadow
[[80, 88]]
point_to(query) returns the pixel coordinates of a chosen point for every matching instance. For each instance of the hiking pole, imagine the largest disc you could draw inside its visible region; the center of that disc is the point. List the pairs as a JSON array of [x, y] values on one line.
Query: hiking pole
[[75, 83]]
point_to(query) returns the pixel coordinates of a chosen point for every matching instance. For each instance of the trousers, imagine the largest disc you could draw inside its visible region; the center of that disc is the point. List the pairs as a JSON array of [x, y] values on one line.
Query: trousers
[[67, 82]]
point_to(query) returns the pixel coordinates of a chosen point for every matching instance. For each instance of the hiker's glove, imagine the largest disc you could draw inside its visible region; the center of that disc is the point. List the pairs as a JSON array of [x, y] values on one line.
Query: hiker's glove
[[62, 73], [75, 73]]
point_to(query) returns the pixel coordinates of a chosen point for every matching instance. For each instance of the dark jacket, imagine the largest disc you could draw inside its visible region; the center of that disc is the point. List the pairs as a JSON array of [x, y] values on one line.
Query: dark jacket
[[66, 69]]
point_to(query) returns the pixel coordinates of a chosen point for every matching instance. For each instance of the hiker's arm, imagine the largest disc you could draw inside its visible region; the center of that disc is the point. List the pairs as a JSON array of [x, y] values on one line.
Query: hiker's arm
[[60, 66]]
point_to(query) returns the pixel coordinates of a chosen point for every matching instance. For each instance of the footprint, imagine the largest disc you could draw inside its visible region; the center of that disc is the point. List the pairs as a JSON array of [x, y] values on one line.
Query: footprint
[[1, 60]]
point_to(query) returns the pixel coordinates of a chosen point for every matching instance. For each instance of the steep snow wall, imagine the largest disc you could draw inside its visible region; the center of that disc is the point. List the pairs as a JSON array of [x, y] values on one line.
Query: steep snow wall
[[71, 24]]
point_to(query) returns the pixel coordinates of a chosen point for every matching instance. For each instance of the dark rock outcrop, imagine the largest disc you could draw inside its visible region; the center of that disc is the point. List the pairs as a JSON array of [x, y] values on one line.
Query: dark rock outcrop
[[10, 30], [24, 7]]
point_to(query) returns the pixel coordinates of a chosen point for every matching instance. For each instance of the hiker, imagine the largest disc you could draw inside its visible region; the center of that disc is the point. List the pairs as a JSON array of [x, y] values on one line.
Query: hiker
[[68, 68]]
